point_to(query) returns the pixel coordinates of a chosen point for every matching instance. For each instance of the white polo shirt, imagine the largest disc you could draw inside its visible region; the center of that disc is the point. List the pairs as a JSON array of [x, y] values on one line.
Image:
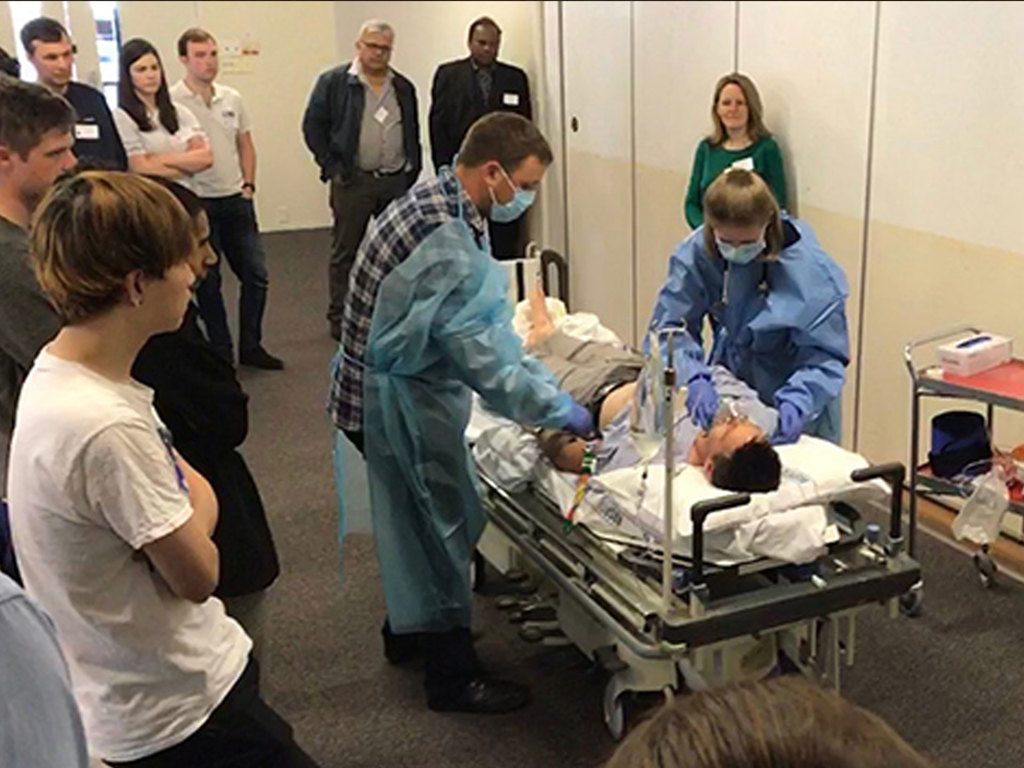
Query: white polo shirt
[[223, 120], [92, 482], [158, 141]]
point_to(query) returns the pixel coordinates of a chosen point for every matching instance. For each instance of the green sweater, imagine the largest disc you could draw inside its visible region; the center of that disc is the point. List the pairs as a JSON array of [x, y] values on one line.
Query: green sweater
[[711, 161]]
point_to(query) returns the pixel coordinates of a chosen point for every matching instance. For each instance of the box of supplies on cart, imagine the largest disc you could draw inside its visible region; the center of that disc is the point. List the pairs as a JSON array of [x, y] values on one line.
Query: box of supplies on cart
[[975, 353]]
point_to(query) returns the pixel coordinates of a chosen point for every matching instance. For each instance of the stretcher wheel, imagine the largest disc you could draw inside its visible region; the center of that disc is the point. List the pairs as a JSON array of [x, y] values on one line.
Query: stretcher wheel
[[911, 601], [986, 567]]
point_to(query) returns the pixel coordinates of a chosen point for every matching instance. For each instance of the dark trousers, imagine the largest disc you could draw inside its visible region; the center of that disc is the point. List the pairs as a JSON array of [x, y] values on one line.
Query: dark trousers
[[353, 202], [504, 237], [242, 732], [449, 659], [236, 239]]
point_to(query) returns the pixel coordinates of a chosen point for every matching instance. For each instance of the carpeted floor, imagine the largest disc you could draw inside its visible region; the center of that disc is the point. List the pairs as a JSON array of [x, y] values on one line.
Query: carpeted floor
[[948, 681]]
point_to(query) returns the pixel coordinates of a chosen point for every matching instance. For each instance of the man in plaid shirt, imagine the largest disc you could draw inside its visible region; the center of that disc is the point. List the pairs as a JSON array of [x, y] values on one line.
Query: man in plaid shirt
[[502, 160]]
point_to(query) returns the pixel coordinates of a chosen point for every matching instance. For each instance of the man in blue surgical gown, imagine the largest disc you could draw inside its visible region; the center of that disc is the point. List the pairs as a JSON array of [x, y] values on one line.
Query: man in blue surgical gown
[[427, 320]]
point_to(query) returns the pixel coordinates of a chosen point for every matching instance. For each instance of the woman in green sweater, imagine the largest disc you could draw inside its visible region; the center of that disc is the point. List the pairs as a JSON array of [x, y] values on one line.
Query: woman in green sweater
[[740, 140]]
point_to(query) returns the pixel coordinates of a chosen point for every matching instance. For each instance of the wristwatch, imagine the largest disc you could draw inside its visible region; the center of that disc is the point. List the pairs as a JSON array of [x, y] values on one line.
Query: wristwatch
[[250, 186]]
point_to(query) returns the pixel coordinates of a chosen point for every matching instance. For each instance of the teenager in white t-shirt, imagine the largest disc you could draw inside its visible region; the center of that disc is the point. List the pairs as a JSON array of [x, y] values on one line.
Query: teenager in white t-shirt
[[160, 139], [112, 528]]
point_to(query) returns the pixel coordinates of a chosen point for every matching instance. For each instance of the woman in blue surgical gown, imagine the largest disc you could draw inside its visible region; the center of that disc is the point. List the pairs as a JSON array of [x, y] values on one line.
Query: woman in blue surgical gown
[[776, 303]]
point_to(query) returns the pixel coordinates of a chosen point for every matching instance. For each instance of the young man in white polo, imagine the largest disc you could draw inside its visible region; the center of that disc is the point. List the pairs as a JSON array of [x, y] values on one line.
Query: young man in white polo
[[227, 189]]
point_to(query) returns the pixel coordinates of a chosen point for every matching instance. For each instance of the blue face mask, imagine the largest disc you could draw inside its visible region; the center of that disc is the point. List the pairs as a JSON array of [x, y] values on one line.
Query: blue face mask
[[740, 254], [514, 208]]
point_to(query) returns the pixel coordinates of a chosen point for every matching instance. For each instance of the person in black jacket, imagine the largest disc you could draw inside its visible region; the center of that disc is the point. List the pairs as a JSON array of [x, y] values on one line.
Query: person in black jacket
[[201, 402], [465, 90], [52, 53], [362, 126]]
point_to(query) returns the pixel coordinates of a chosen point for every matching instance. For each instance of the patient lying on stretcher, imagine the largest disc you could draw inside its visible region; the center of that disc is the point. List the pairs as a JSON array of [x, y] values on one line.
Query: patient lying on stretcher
[[735, 453]]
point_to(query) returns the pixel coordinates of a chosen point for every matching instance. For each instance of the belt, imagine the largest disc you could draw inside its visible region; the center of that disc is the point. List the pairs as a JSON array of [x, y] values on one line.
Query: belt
[[378, 174]]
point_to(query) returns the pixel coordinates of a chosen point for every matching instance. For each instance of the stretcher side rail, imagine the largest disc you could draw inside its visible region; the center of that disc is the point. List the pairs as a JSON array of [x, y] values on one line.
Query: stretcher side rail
[[633, 616]]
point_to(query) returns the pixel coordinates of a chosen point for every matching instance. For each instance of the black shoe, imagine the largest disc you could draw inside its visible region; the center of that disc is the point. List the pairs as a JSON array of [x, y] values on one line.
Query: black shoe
[[400, 649], [258, 357], [483, 696]]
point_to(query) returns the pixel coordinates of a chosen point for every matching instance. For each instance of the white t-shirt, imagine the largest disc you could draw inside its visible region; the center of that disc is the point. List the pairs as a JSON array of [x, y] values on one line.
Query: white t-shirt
[[222, 122], [92, 480], [158, 141]]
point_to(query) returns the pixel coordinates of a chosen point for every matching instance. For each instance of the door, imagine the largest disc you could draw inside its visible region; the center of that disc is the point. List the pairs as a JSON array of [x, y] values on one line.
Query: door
[[598, 120]]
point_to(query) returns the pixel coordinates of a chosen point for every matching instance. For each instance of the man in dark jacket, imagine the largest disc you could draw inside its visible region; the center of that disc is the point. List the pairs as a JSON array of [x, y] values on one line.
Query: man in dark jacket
[[52, 53], [465, 90], [362, 126]]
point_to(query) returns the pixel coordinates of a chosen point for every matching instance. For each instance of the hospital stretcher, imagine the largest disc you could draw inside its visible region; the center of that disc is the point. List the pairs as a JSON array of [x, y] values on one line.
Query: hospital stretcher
[[660, 623], [1002, 386]]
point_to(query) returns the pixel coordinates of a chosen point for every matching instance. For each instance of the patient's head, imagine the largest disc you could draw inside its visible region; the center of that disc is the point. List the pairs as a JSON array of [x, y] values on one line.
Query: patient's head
[[784, 722], [736, 456]]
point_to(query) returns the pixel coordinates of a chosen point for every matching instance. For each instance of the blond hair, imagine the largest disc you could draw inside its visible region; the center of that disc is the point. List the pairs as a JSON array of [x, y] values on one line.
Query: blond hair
[[741, 198], [784, 722], [755, 112], [93, 229]]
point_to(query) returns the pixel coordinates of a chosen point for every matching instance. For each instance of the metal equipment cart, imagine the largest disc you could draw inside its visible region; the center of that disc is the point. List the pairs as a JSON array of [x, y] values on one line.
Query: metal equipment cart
[[1002, 386]]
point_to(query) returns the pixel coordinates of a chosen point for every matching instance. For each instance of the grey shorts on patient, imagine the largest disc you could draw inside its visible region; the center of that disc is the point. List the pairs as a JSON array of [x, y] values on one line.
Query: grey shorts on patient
[[587, 370]]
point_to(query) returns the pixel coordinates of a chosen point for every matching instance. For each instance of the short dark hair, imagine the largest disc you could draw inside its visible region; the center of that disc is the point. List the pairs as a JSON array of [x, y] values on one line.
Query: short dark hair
[[193, 35], [9, 65], [45, 30], [28, 111], [130, 102], [752, 468], [483, 21], [506, 137]]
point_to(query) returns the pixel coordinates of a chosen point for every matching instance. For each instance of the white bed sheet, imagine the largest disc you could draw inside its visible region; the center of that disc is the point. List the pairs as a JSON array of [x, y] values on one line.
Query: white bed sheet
[[791, 524]]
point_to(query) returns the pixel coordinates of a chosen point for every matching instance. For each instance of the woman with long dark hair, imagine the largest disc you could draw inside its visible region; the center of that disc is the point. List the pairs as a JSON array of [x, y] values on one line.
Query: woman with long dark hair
[[160, 138]]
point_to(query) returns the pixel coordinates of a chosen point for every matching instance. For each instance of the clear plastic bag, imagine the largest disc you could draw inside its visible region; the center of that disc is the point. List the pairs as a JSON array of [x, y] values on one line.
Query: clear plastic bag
[[982, 514]]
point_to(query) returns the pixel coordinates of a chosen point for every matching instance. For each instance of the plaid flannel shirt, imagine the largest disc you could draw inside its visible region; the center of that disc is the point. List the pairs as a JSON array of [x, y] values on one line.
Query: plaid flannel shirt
[[389, 240]]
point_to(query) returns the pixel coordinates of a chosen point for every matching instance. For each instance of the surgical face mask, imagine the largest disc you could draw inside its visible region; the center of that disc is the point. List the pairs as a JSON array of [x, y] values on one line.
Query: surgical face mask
[[740, 254], [514, 208]]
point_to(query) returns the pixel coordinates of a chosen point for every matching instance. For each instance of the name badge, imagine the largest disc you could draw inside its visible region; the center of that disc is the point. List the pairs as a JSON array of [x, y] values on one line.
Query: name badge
[[746, 164], [87, 131], [510, 99], [380, 115]]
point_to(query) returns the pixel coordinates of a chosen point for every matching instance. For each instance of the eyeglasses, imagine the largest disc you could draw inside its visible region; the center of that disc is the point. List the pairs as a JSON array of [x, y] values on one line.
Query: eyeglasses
[[377, 47]]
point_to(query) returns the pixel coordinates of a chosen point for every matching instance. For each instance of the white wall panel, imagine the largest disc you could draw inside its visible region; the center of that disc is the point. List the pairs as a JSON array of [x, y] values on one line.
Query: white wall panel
[[599, 162], [812, 63], [946, 232], [815, 83], [950, 103], [680, 51]]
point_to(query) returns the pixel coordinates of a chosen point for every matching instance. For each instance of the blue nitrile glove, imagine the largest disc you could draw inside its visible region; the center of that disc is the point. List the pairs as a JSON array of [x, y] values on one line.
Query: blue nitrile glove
[[702, 400], [791, 424], [580, 422]]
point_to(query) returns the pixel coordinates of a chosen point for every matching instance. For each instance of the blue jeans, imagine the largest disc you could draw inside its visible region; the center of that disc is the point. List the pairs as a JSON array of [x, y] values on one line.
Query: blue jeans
[[236, 239]]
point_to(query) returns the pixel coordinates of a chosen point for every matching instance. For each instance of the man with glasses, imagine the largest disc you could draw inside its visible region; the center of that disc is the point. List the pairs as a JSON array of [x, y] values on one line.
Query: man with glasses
[[362, 126]]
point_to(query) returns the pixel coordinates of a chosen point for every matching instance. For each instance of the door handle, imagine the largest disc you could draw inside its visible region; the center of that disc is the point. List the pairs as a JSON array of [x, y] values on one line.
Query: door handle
[[575, 124]]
